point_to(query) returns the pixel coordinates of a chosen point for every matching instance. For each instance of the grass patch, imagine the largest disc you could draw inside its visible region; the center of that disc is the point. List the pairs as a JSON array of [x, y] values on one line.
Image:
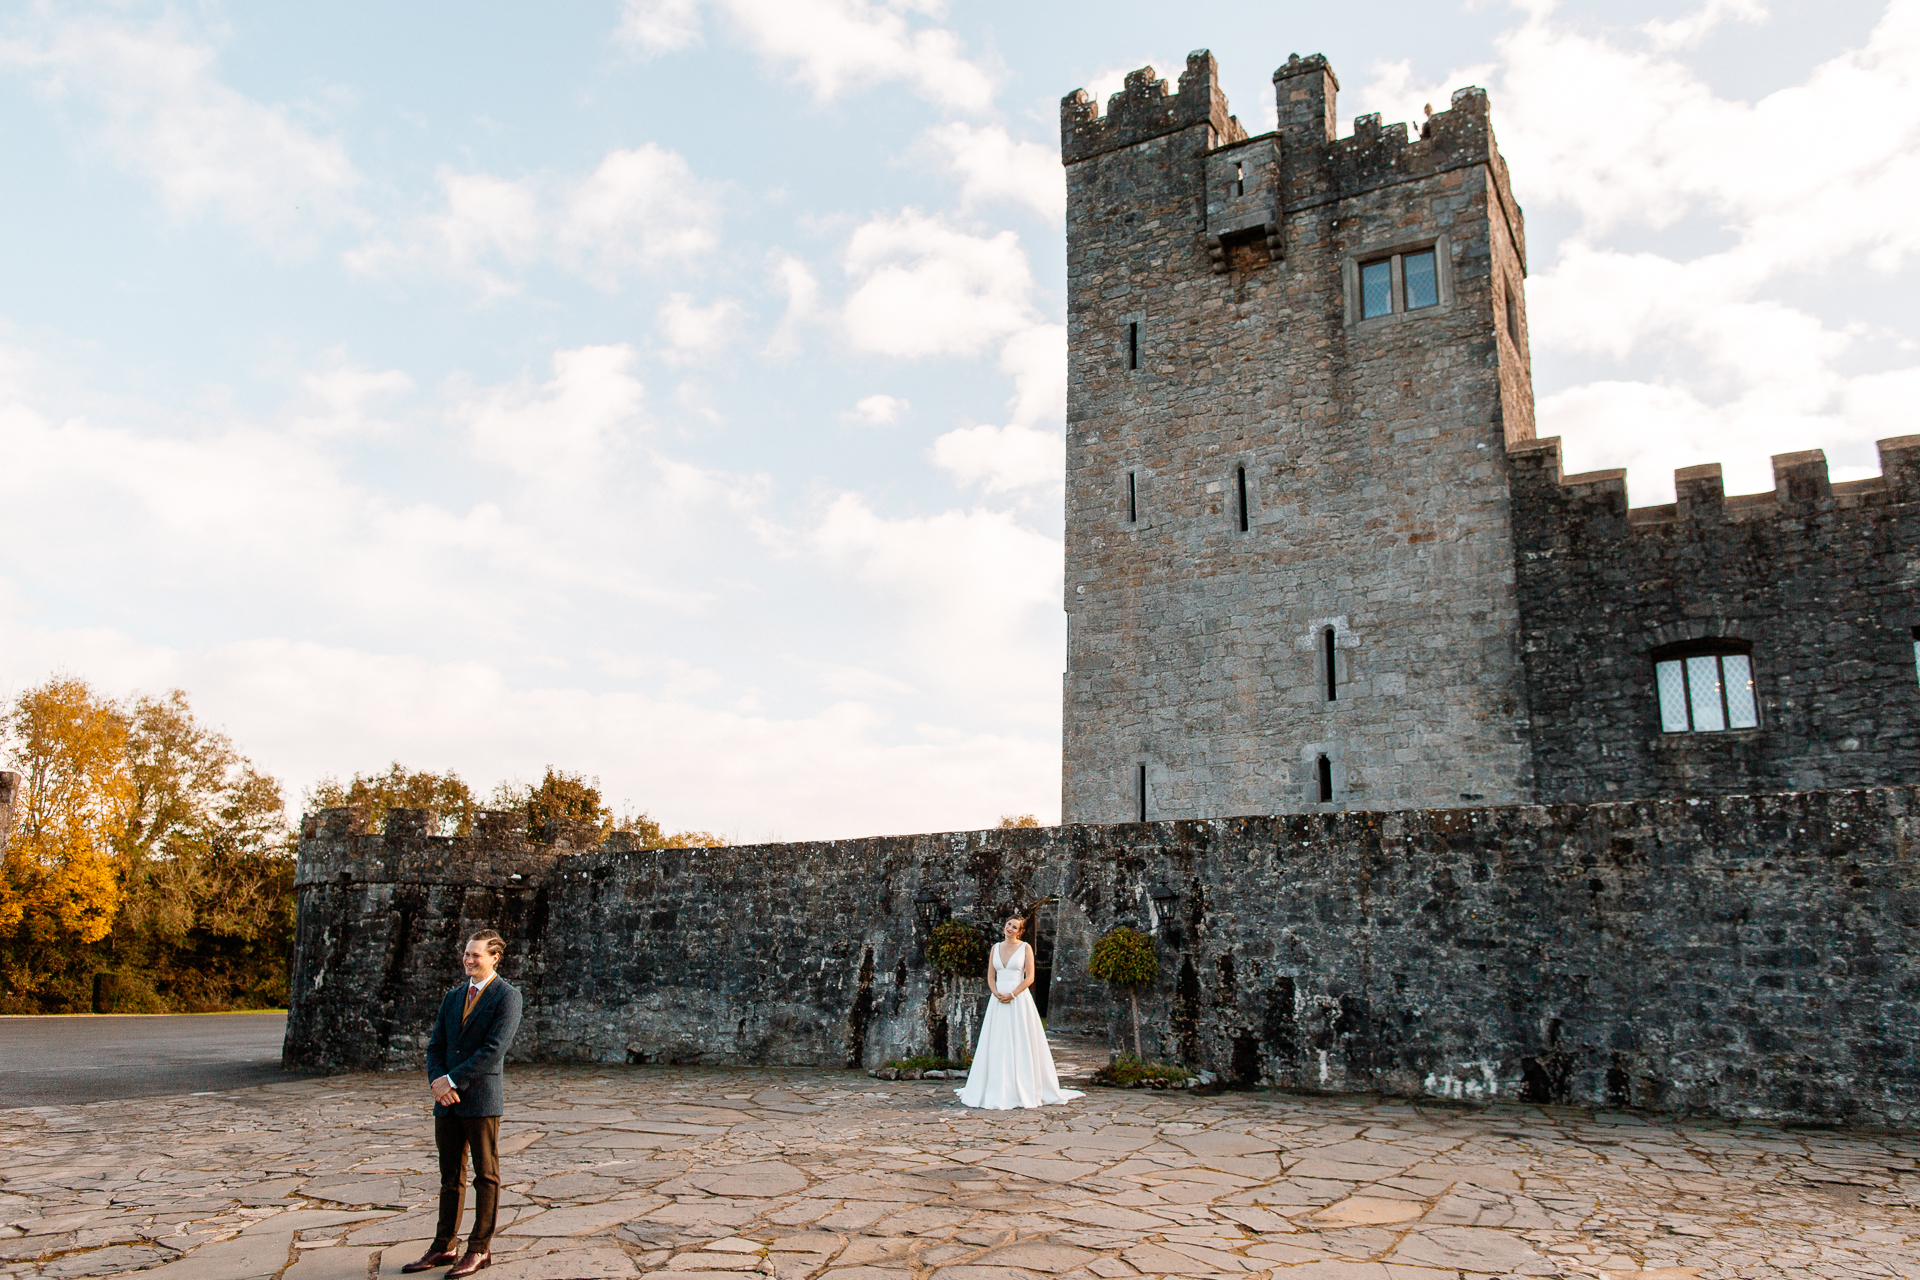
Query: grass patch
[[927, 1062], [1127, 1069]]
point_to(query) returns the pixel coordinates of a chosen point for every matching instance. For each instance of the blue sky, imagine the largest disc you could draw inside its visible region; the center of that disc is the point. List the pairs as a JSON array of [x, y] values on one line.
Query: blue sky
[[672, 389]]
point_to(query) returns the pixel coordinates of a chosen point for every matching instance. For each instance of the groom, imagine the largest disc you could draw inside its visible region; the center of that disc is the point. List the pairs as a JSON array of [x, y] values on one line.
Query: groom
[[464, 1058]]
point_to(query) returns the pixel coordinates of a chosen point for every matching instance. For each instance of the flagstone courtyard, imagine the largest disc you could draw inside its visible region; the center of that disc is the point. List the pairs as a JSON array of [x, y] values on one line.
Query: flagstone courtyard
[[799, 1174]]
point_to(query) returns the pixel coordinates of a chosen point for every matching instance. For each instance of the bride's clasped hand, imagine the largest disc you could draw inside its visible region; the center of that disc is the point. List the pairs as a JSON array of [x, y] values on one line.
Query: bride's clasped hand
[[1012, 1066]]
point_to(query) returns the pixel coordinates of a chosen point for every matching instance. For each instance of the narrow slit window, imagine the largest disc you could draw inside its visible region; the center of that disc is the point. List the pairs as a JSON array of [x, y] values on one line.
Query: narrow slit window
[[1240, 487], [1376, 289], [1239, 178], [1140, 792], [1916, 653], [1133, 499], [1423, 280], [1333, 671], [1707, 691], [1323, 771], [1133, 344], [1513, 318]]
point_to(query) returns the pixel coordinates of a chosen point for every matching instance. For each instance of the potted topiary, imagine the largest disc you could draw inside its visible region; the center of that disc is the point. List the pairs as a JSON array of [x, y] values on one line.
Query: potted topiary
[[1126, 958], [954, 951]]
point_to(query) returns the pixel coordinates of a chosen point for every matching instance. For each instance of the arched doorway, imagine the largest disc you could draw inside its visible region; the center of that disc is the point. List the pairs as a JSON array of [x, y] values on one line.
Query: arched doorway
[[1039, 934]]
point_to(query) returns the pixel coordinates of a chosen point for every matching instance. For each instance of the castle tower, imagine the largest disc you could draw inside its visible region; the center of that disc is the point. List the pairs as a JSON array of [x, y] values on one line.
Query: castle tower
[[1295, 365]]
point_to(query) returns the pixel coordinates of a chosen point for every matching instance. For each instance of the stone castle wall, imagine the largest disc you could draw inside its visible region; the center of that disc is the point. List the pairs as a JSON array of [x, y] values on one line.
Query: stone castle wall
[[1821, 579], [1737, 955], [1216, 347]]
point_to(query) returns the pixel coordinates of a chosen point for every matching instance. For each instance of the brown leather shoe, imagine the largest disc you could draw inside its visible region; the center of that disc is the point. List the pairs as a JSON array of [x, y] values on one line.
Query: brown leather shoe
[[444, 1258], [470, 1264]]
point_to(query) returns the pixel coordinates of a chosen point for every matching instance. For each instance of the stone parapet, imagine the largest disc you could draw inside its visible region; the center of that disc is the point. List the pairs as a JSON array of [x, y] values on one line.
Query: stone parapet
[[1742, 956]]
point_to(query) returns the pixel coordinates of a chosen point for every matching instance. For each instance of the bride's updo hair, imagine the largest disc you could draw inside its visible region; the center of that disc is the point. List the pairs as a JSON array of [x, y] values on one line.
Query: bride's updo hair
[[1019, 923]]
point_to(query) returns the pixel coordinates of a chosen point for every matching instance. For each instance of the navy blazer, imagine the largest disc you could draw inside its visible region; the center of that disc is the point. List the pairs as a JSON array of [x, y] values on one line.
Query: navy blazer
[[474, 1054]]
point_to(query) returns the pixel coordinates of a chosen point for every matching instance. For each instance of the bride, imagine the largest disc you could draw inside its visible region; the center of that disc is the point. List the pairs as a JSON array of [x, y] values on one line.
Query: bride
[[1012, 1066]]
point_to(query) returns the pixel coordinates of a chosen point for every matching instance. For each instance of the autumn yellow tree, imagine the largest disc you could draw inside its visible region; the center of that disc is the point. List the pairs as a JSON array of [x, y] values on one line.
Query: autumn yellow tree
[[144, 847], [61, 880]]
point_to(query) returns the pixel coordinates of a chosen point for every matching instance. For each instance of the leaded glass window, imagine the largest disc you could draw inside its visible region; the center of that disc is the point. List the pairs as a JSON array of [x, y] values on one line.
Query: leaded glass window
[[1423, 283], [1705, 692], [1376, 289]]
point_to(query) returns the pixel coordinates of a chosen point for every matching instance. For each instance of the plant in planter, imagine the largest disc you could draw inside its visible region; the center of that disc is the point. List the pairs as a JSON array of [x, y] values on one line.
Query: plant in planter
[[1126, 958], [955, 951]]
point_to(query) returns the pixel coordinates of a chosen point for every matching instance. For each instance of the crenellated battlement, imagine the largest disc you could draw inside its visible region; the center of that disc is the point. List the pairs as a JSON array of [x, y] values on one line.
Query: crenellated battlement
[[338, 848], [1145, 108], [1313, 164], [1813, 584], [1801, 487]]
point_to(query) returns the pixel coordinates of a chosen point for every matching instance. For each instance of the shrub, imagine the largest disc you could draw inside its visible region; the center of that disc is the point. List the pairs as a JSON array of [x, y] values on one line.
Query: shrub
[[957, 948], [1126, 958]]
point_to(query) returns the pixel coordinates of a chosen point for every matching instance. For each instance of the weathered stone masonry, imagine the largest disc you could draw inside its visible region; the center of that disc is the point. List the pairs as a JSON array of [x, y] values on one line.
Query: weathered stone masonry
[[1822, 580], [1315, 559], [1739, 955], [1252, 463]]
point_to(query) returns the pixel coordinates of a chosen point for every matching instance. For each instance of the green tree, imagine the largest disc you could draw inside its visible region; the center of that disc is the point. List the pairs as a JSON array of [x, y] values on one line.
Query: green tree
[[565, 797], [1126, 958], [652, 837], [403, 788]]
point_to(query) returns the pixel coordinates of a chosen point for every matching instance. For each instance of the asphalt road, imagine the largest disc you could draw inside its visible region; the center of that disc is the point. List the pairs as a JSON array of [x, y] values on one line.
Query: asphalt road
[[97, 1057]]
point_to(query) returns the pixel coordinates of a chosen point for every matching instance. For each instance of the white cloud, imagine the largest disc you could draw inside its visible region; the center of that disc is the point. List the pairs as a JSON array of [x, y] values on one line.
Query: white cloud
[[796, 280], [1010, 457], [968, 585], [563, 431], [831, 45], [923, 288], [641, 209], [992, 166], [659, 26], [1036, 359], [691, 331], [1020, 455], [878, 410], [1698, 356], [1690, 29], [304, 709], [150, 97], [1102, 85], [344, 396]]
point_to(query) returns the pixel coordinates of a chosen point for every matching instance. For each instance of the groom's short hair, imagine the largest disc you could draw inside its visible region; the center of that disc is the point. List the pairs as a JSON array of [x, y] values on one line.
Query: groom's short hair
[[495, 944]]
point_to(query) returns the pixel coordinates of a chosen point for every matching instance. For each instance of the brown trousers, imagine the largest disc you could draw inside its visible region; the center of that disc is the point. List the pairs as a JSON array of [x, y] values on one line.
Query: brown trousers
[[455, 1136]]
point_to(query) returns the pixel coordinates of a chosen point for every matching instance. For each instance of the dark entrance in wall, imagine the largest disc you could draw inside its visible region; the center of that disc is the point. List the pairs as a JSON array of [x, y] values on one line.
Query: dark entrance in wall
[[1039, 936]]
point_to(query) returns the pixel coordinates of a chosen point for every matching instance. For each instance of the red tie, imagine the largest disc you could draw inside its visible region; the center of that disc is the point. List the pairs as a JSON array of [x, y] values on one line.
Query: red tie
[[473, 998]]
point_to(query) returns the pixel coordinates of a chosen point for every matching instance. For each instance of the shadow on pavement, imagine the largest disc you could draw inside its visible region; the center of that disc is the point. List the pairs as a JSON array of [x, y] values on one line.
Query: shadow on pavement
[[58, 1061]]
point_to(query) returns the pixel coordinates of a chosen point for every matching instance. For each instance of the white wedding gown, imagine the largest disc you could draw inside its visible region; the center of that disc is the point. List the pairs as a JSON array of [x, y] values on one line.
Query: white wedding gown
[[1012, 1066]]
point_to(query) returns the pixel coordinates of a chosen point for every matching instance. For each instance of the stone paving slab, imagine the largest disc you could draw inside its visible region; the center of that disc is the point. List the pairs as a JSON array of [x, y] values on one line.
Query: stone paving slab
[[735, 1174]]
